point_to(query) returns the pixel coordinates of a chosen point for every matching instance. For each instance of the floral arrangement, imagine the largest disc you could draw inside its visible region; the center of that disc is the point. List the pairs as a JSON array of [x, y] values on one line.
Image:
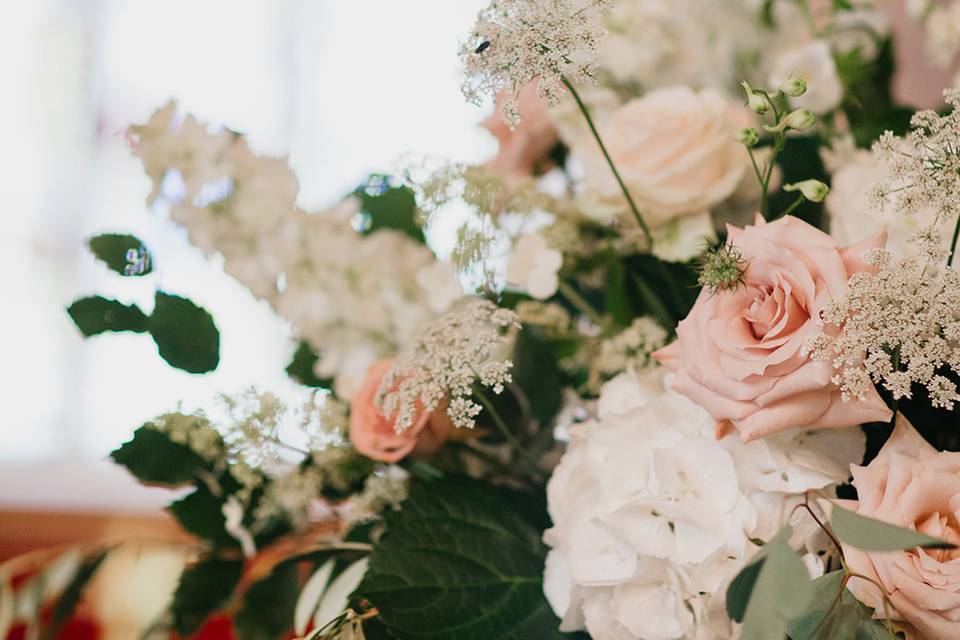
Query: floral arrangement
[[689, 371]]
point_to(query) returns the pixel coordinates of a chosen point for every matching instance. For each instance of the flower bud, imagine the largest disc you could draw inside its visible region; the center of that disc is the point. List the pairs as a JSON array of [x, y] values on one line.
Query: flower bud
[[748, 136], [793, 87], [812, 190], [801, 120], [756, 102]]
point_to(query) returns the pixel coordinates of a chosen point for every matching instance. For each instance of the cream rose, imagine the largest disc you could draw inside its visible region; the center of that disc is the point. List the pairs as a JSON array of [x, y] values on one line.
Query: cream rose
[[674, 147], [740, 353], [911, 484]]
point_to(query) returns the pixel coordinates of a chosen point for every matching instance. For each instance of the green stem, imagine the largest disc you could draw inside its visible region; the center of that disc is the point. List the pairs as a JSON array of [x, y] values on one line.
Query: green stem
[[578, 301], [616, 174], [531, 464], [953, 243], [791, 208]]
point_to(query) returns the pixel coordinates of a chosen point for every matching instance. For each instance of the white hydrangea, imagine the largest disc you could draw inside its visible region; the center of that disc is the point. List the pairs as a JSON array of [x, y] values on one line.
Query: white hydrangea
[[355, 298], [533, 266], [653, 516]]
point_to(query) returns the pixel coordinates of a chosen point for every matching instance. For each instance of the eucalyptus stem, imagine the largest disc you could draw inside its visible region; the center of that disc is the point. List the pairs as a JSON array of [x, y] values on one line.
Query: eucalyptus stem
[[616, 174], [578, 301], [530, 463]]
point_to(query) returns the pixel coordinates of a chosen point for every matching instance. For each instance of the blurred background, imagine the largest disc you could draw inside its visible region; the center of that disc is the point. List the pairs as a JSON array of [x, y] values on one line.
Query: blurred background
[[341, 87]]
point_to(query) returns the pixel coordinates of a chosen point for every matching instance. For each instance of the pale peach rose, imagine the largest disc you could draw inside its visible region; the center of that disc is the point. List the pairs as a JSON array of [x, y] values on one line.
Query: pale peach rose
[[910, 484], [374, 435], [675, 148], [523, 150], [740, 353]]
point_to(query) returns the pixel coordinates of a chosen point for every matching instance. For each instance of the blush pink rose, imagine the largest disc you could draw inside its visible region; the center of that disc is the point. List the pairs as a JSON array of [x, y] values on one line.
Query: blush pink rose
[[911, 484], [523, 150], [374, 435], [740, 353]]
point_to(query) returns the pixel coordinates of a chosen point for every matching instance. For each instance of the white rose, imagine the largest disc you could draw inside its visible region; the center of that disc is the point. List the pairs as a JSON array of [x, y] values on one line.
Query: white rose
[[534, 265], [674, 147], [653, 516], [814, 64]]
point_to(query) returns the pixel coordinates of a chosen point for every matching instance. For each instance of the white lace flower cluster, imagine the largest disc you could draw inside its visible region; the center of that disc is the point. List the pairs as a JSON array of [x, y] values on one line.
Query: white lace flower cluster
[[448, 357], [631, 348], [897, 327], [515, 42], [923, 167], [653, 516], [354, 298]]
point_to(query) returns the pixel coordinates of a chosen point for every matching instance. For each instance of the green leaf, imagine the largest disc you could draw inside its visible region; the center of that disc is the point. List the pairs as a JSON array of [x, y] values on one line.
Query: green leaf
[[185, 334], [782, 591], [122, 253], [68, 600], [152, 458], [740, 589], [665, 290], [389, 207], [868, 534], [268, 605], [458, 562], [301, 367], [97, 314], [833, 615], [204, 588], [201, 513]]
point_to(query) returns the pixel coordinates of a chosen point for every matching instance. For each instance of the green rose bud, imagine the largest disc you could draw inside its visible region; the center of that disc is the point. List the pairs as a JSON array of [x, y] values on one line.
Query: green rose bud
[[748, 136], [793, 87], [812, 190]]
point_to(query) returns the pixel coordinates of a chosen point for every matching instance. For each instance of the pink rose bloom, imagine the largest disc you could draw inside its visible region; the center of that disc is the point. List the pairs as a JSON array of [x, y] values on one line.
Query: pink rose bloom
[[525, 147], [739, 354], [910, 484], [374, 435]]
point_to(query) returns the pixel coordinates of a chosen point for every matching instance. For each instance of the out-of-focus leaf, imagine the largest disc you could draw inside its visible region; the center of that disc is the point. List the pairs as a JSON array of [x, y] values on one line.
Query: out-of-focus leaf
[[873, 535], [96, 314], [204, 588], [154, 459], [122, 253], [186, 335]]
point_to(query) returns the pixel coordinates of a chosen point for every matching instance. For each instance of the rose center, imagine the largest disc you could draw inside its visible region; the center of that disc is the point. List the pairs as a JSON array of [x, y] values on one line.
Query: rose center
[[774, 312]]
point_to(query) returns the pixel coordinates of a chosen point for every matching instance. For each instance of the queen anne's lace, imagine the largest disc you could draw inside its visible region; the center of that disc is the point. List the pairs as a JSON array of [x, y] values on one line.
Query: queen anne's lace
[[450, 356], [515, 42], [897, 327]]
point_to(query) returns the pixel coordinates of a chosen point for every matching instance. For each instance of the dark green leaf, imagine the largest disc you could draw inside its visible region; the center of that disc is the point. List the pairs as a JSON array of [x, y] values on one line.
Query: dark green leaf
[[268, 605], [185, 334], [68, 600], [873, 535], [122, 253], [458, 562], [832, 615], [740, 589], [782, 591], [800, 160], [301, 367], [665, 290], [204, 588], [152, 458], [97, 314], [388, 207], [201, 513]]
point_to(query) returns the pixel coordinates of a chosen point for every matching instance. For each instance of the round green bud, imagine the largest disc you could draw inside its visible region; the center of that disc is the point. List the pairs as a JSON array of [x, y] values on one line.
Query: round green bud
[[793, 87], [801, 120], [812, 190], [748, 136]]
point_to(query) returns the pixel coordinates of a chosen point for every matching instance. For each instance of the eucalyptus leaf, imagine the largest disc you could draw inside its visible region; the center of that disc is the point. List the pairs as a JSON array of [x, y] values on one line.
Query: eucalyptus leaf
[[186, 335], [122, 253], [458, 561], [781, 592], [95, 315], [834, 614], [868, 534], [740, 590]]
